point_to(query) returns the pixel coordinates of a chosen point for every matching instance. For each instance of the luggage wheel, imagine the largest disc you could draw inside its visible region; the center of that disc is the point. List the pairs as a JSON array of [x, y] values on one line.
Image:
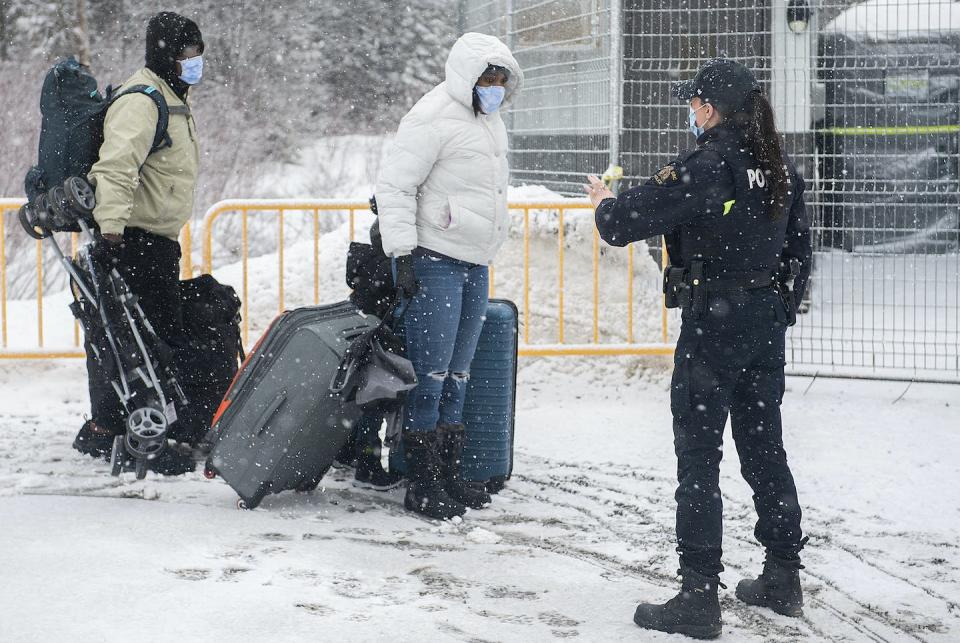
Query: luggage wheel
[[308, 487], [209, 473], [242, 505], [496, 484]]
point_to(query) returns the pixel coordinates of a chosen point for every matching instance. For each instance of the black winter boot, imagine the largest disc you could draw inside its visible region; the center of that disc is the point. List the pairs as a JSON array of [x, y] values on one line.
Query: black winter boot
[[425, 491], [346, 457], [695, 611], [451, 438], [172, 462], [370, 474], [94, 443], [778, 587]]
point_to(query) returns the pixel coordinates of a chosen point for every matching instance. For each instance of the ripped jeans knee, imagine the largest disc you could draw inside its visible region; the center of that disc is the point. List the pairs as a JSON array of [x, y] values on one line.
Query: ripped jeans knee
[[458, 377]]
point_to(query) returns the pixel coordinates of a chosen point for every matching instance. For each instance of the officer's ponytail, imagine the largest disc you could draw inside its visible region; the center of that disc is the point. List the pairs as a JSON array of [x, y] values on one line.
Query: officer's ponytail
[[757, 122]]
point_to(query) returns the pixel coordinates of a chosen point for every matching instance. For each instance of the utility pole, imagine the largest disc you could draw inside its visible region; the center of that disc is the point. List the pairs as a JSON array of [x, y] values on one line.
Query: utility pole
[[4, 9], [81, 35]]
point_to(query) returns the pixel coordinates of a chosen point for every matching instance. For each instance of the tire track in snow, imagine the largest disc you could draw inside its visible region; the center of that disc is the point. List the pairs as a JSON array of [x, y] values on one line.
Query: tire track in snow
[[573, 484]]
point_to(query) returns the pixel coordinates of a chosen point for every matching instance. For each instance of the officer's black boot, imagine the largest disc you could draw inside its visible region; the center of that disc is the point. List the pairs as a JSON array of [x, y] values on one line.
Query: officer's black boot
[[425, 491], [451, 438], [695, 611], [778, 587]]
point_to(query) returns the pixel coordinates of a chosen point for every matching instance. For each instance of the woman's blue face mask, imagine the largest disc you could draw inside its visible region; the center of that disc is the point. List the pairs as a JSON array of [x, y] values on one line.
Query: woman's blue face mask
[[491, 97], [191, 70]]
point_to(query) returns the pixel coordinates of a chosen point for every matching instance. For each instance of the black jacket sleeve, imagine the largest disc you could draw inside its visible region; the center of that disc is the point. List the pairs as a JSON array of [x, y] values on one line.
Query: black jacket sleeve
[[797, 243], [690, 187]]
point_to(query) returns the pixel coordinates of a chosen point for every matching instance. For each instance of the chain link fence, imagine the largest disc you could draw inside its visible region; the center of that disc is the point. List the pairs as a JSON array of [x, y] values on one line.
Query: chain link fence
[[563, 121], [867, 97]]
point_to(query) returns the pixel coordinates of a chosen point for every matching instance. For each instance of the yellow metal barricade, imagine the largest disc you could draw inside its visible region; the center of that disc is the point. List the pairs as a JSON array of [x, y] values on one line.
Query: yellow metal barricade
[[245, 209], [281, 208]]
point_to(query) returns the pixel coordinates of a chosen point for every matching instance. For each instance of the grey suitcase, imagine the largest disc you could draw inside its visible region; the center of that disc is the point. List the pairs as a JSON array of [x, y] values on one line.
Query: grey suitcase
[[280, 425]]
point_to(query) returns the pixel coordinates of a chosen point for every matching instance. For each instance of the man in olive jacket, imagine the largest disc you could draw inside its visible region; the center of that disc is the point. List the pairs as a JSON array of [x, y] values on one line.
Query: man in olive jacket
[[144, 199]]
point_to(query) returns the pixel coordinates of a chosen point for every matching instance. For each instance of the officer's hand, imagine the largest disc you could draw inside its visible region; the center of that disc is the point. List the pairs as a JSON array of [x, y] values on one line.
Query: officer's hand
[[406, 277], [597, 190]]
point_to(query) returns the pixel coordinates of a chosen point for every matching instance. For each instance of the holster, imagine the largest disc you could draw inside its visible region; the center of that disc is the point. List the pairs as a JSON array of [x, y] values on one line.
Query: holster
[[684, 288], [676, 293], [785, 278]]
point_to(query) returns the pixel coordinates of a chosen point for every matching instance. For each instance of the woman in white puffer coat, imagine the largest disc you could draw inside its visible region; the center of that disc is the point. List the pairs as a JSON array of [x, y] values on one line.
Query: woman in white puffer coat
[[442, 199]]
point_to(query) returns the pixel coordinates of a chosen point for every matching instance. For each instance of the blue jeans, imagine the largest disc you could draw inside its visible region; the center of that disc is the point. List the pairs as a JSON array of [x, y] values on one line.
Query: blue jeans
[[442, 326]]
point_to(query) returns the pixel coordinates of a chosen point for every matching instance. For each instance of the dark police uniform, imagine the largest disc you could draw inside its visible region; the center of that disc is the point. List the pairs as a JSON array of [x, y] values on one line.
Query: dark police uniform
[[712, 206]]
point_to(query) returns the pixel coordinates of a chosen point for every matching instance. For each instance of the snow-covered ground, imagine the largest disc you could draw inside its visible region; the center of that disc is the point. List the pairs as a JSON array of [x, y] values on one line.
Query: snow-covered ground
[[581, 534]]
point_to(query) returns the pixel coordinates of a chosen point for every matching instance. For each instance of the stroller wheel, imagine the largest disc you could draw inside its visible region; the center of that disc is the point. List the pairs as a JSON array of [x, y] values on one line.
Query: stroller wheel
[[31, 226], [57, 205], [146, 432], [117, 456], [79, 195]]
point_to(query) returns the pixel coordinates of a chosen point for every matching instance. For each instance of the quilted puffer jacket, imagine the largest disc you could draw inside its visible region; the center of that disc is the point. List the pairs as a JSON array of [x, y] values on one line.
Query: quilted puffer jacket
[[443, 181]]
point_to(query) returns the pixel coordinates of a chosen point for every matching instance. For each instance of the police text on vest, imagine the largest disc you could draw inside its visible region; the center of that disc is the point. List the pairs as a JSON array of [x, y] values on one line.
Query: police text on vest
[[756, 178]]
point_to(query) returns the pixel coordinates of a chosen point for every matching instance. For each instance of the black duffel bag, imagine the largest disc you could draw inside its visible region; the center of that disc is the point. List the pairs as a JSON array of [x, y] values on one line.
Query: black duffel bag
[[208, 358], [370, 274]]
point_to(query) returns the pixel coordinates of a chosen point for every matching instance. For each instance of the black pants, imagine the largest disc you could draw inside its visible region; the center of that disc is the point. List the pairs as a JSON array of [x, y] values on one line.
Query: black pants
[[151, 267], [730, 362]]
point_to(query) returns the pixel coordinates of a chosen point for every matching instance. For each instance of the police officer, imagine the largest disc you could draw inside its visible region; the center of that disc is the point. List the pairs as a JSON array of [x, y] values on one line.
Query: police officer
[[738, 240]]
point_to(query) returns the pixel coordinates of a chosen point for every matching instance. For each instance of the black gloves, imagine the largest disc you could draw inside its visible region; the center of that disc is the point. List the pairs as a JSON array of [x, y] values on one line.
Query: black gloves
[[106, 250], [406, 278]]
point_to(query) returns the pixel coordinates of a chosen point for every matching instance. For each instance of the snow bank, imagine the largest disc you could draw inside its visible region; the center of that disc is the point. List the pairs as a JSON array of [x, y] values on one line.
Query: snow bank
[[336, 166], [892, 20]]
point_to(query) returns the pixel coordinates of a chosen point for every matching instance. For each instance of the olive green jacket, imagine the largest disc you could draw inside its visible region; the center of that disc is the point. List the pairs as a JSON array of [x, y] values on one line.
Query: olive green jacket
[[137, 189]]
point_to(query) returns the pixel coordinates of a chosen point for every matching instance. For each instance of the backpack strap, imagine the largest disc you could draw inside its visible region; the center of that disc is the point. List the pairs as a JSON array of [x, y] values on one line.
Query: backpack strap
[[162, 138]]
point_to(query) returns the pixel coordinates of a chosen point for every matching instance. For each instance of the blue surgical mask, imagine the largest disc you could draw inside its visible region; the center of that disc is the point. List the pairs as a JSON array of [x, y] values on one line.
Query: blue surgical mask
[[695, 129], [491, 98], [192, 70]]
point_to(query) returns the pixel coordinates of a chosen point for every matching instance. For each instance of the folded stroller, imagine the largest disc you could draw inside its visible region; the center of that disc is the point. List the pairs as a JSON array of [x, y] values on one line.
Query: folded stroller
[[139, 364]]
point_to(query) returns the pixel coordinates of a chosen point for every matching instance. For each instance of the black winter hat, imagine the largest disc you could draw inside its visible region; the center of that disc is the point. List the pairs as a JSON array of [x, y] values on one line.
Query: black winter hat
[[168, 34], [722, 82], [494, 69]]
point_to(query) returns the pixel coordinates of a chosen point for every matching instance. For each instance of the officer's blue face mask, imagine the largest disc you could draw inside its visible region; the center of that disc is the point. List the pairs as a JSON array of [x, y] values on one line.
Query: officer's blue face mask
[[490, 97], [695, 129], [191, 70]]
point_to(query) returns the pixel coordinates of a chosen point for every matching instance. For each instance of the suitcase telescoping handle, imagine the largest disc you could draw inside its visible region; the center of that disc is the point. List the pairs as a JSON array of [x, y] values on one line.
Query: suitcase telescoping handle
[[261, 424]]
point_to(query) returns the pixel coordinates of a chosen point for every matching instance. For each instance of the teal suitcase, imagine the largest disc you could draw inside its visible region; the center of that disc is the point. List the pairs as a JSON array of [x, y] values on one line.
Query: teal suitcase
[[490, 407]]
